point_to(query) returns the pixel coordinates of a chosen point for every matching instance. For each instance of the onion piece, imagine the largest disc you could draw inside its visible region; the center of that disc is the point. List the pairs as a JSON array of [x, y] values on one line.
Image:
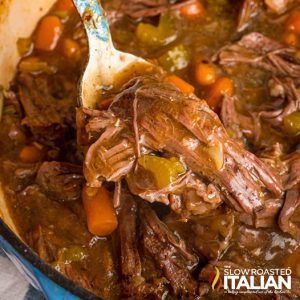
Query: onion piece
[[216, 152], [277, 6]]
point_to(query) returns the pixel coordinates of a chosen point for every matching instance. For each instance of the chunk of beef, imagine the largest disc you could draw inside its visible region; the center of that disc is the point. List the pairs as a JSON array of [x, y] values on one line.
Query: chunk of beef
[[10, 117], [60, 181], [60, 226], [40, 241], [136, 9], [155, 116], [133, 283], [292, 199], [262, 52], [259, 246], [77, 276], [248, 11], [36, 98], [21, 174], [212, 233], [131, 267], [169, 252], [267, 217]]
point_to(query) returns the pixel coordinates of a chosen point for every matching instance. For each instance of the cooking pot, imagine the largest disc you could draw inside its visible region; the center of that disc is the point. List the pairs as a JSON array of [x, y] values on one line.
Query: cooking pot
[[18, 19]]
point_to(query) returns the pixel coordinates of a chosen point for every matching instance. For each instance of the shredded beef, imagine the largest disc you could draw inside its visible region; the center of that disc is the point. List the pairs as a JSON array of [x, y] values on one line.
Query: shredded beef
[[169, 252], [267, 217], [248, 11], [292, 198], [141, 8], [288, 101], [133, 283], [238, 125], [196, 196], [155, 116], [262, 52]]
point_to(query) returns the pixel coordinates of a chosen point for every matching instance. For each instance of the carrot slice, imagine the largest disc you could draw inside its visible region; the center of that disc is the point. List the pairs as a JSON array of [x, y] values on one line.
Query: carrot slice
[[31, 154], [48, 33], [65, 5], [194, 10], [180, 83], [205, 73], [223, 85], [99, 210], [70, 48], [292, 23]]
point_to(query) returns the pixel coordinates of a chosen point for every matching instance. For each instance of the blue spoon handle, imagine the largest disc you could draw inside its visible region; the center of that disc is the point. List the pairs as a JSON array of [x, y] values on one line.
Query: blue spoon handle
[[94, 20]]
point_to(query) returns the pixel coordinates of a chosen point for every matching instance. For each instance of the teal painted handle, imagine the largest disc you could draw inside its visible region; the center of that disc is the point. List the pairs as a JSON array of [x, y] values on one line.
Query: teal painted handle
[[93, 18]]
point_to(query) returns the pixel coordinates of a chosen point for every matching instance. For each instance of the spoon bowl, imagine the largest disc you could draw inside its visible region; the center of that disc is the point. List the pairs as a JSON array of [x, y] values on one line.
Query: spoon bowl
[[105, 63]]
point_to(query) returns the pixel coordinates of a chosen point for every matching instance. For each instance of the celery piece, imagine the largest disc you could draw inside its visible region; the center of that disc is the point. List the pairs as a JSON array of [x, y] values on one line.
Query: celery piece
[[156, 36], [292, 123], [164, 170]]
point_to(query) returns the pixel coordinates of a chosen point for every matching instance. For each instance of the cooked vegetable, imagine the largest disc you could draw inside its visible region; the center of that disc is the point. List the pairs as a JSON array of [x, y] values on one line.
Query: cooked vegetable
[[31, 153], [194, 190], [70, 48], [65, 5], [292, 23], [164, 170], [48, 33], [175, 59], [277, 6], [216, 152], [180, 83], [155, 36], [292, 123], [205, 73], [24, 46], [100, 213], [194, 10], [33, 64], [72, 254], [290, 39], [223, 85]]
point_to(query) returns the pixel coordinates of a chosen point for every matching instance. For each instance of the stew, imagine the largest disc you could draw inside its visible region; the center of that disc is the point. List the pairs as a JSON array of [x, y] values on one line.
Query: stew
[[175, 176]]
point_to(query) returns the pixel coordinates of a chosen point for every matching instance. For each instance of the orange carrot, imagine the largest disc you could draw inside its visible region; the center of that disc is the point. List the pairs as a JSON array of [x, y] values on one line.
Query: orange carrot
[[70, 48], [193, 11], [223, 85], [31, 154], [48, 33], [290, 39], [205, 73], [65, 5], [180, 83], [99, 210], [292, 23]]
